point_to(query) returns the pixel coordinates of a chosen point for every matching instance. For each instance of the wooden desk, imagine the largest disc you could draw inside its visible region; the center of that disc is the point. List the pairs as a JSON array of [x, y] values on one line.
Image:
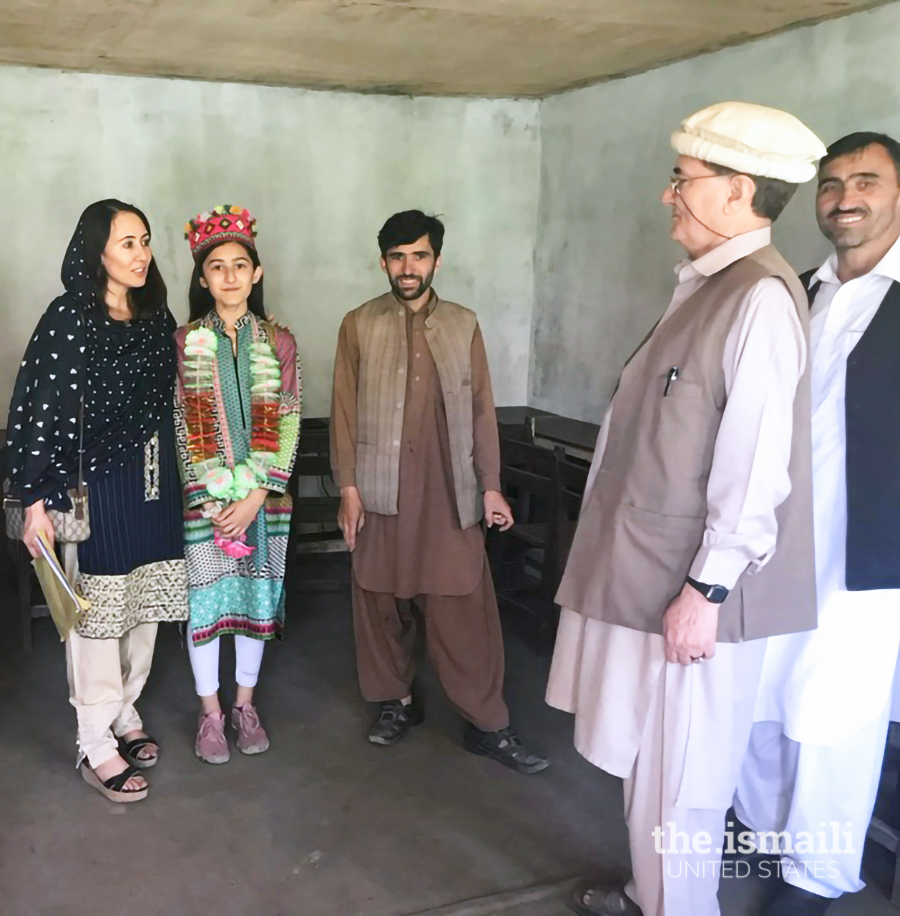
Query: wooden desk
[[577, 437], [516, 416], [571, 434], [31, 601]]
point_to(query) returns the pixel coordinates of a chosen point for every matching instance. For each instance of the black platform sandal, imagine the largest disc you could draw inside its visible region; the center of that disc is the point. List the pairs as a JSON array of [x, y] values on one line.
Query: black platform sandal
[[129, 750], [113, 788]]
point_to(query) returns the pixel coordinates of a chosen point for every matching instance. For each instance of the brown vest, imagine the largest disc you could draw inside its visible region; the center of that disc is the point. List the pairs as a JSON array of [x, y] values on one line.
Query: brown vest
[[449, 329], [643, 520]]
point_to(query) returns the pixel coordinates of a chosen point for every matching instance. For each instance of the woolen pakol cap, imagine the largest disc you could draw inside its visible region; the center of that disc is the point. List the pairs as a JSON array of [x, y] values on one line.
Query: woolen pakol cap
[[752, 139]]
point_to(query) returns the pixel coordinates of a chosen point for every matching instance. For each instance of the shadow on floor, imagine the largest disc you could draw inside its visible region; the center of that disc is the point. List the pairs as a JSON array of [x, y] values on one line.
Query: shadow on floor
[[322, 825]]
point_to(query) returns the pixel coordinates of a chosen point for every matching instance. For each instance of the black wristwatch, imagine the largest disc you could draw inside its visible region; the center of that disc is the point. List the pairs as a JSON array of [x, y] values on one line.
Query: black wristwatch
[[715, 594]]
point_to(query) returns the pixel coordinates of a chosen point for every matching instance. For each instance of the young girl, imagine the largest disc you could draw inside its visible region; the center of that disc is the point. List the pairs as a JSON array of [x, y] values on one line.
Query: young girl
[[237, 423]]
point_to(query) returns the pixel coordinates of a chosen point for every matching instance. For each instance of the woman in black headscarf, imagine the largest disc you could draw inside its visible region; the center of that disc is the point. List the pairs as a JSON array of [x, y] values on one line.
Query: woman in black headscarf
[[102, 363]]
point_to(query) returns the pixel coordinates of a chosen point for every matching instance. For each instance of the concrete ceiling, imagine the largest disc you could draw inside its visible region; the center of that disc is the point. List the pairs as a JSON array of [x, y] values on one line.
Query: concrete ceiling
[[435, 47]]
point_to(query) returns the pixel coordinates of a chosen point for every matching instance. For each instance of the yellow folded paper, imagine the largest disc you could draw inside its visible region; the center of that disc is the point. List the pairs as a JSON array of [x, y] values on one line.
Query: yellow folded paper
[[66, 606]]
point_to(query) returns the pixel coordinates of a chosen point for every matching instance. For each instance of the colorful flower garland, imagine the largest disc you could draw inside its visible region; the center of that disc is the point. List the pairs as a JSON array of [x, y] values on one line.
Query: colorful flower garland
[[222, 483]]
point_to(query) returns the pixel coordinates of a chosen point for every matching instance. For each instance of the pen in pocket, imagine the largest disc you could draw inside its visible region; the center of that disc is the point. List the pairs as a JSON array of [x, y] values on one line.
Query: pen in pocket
[[671, 376]]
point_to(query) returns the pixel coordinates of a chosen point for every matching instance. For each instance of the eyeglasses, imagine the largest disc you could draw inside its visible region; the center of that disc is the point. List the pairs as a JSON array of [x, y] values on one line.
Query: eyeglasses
[[676, 182]]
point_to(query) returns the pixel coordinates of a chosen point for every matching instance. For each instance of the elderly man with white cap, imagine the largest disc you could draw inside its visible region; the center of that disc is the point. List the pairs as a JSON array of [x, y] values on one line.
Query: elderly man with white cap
[[695, 541]]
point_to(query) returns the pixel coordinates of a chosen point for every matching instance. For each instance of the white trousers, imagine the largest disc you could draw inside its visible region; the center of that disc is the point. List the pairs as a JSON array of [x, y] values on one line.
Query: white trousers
[[205, 663], [683, 781], [824, 791], [106, 676]]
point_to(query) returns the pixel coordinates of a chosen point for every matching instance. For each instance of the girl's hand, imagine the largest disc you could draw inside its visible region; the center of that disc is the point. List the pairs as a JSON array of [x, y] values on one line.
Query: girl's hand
[[237, 518], [37, 520]]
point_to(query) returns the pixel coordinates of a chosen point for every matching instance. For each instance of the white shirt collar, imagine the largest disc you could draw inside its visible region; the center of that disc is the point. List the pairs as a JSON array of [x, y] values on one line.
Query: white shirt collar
[[725, 254], [888, 266]]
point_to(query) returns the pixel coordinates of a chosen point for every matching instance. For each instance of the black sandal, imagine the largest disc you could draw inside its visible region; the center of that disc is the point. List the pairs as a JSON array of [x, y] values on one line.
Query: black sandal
[[604, 900], [113, 788], [129, 750]]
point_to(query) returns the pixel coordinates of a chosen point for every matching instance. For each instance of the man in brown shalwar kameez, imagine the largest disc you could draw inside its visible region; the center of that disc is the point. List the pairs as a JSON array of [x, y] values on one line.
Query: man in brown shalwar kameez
[[416, 453]]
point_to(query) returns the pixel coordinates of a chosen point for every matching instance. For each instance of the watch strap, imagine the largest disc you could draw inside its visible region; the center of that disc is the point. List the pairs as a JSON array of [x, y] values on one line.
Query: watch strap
[[713, 593]]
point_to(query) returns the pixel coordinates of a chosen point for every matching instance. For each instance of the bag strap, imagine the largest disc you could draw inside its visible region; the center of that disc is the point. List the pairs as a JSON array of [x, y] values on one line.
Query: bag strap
[[80, 489]]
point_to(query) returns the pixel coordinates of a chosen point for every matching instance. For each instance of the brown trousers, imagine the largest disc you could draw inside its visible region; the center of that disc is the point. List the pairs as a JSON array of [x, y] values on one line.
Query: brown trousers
[[464, 643]]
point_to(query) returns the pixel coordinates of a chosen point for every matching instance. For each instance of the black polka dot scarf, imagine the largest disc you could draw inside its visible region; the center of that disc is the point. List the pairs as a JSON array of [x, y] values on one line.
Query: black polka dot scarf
[[125, 370]]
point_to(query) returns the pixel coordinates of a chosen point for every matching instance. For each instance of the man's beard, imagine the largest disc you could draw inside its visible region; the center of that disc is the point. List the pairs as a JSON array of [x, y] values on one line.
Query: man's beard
[[415, 292]]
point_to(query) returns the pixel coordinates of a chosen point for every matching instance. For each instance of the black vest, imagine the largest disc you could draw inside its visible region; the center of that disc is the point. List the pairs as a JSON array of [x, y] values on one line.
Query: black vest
[[873, 448]]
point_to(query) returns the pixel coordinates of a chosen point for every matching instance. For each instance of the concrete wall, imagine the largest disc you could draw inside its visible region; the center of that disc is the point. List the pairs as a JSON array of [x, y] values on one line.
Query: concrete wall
[[555, 231], [320, 170], [604, 260]]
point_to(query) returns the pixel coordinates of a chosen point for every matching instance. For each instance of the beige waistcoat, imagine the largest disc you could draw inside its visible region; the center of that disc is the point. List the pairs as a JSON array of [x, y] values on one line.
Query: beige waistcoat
[[449, 330], [643, 521]]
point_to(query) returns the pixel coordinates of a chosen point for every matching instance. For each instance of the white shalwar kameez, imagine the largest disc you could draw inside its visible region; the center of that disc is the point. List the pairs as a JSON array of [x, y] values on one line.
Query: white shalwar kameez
[[825, 698], [677, 734]]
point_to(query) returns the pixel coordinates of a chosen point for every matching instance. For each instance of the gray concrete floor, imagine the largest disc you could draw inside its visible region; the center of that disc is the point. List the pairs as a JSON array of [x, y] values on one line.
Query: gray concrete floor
[[322, 825]]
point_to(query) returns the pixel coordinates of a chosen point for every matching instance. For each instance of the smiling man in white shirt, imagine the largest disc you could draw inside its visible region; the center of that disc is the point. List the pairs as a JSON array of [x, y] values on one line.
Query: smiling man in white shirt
[[825, 697]]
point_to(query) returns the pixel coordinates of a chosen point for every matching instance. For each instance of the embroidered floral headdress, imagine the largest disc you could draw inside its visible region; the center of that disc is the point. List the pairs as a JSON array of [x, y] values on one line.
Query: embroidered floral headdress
[[222, 224]]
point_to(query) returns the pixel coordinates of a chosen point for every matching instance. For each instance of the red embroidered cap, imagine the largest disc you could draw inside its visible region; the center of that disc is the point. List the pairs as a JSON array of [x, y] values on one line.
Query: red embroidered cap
[[223, 224]]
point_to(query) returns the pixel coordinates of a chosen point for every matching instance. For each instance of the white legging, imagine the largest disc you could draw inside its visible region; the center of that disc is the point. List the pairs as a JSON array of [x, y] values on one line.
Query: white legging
[[205, 663]]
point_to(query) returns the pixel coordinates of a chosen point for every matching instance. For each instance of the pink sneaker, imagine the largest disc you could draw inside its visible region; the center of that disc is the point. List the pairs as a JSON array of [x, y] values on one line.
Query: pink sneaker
[[211, 745], [252, 737]]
